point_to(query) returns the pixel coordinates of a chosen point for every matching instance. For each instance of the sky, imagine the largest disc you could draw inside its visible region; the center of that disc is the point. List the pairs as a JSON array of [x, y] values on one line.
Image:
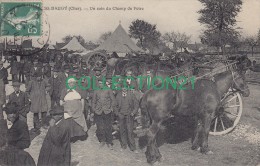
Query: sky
[[168, 15]]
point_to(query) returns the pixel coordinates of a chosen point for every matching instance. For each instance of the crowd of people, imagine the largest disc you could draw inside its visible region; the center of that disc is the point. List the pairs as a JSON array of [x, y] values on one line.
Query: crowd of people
[[66, 113]]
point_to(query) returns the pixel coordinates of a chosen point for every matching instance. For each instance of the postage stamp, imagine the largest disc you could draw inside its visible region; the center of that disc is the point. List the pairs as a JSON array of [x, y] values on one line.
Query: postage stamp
[[22, 22], [21, 18]]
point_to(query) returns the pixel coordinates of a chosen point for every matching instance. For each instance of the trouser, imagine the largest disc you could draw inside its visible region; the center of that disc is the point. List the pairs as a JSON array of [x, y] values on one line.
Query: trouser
[[1, 112], [86, 112], [104, 127], [36, 120], [14, 77], [21, 77], [126, 127], [55, 101]]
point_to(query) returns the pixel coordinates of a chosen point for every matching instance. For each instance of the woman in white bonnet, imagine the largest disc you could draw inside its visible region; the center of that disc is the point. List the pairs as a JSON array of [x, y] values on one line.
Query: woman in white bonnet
[[73, 104]]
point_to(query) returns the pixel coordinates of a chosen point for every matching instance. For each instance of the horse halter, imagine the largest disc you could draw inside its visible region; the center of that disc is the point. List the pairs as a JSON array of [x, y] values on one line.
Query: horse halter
[[234, 82]]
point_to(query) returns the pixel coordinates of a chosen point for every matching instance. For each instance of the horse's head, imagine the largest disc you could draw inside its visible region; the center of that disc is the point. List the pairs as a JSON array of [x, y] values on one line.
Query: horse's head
[[239, 83]]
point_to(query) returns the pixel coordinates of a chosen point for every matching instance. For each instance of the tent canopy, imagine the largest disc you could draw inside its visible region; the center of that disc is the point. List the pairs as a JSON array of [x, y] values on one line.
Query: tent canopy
[[74, 45], [119, 42]]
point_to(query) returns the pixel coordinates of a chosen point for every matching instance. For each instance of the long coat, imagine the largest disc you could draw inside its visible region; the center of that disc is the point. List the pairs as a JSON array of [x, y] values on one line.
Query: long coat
[[18, 139], [18, 135], [4, 75], [56, 149], [2, 92], [37, 94]]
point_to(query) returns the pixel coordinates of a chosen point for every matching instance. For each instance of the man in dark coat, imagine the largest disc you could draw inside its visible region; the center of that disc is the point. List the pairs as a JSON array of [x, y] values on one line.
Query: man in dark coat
[[37, 89], [127, 107], [22, 99], [35, 69], [21, 71], [18, 139], [56, 148], [103, 104], [46, 70], [3, 73], [27, 69], [55, 84], [18, 134], [14, 71]]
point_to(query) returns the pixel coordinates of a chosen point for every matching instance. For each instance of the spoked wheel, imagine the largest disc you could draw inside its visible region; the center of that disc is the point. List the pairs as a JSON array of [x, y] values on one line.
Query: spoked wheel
[[97, 59], [228, 115]]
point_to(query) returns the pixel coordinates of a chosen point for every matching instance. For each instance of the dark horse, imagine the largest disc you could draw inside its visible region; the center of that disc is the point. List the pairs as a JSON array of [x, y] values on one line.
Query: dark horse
[[201, 102]]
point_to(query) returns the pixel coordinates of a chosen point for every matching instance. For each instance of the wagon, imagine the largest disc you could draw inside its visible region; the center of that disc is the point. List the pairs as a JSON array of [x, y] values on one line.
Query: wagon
[[231, 106]]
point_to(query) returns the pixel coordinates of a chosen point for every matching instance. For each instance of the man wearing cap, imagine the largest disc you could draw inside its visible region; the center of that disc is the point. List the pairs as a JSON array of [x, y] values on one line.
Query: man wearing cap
[[127, 107], [130, 81], [22, 99], [103, 104], [3, 73], [37, 89], [18, 139], [56, 148]]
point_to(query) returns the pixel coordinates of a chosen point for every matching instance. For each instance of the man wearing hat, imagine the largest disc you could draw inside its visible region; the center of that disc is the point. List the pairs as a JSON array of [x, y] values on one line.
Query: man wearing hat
[[64, 75], [84, 71], [55, 87], [14, 71], [26, 69], [46, 70], [56, 148], [22, 99], [18, 139], [37, 89], [18, 133], [35, 69], [3, 73]]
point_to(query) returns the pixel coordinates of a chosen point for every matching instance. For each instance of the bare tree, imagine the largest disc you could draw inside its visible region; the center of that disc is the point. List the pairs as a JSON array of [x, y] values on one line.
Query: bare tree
[[177, 39]]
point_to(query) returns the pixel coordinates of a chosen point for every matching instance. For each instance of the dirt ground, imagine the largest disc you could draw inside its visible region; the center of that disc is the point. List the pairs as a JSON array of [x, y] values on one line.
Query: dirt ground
[[240, 147]]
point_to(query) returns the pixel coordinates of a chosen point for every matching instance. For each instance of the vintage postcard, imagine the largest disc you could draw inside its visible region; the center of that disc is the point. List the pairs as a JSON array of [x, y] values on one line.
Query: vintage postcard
[[134, 83]]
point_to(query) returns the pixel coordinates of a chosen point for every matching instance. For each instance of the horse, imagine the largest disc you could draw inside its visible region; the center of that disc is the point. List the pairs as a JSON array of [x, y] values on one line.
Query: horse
[[201, 102]]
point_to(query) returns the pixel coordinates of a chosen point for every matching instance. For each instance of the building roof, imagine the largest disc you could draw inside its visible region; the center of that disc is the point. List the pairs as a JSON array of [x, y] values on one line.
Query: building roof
[[74, 45], [119, 42]]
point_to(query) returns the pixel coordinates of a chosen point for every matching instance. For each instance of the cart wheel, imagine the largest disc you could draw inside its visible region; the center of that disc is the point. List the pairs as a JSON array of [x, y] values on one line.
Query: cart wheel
[[228, 115], [97, 59]]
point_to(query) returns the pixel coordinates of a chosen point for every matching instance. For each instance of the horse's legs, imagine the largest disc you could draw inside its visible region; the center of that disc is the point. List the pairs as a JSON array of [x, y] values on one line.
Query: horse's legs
[[206, 122], [152, 151], [197, 134]]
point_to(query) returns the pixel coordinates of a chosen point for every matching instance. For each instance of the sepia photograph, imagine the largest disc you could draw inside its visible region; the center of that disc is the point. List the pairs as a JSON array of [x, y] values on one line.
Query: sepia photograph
[[129, 82]]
